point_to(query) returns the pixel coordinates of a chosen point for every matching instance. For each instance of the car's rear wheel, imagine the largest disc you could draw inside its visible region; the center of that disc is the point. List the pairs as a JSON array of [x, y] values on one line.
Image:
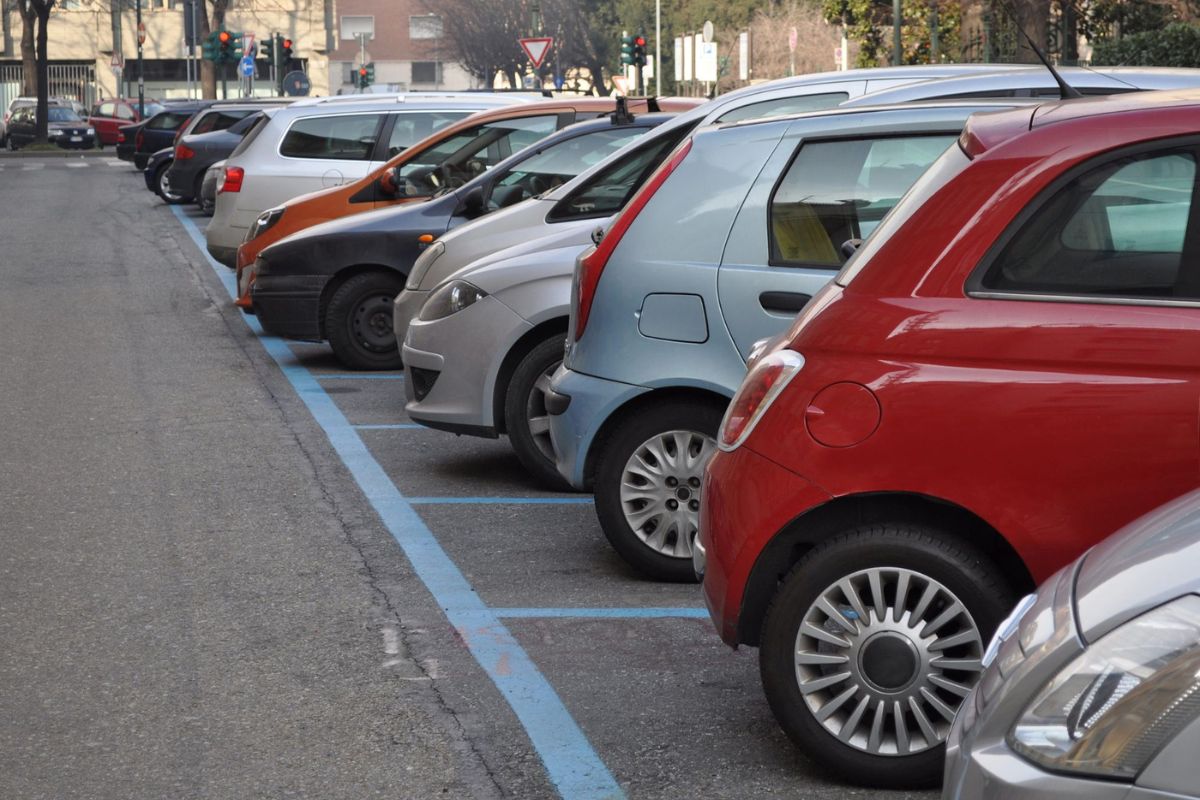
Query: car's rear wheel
[[358, 321], [648, 486], [525, 417], [871, 644], [162, 186]]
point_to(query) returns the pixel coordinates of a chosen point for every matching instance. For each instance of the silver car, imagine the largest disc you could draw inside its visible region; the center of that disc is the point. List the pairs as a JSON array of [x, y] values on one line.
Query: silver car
[[1091, 688]]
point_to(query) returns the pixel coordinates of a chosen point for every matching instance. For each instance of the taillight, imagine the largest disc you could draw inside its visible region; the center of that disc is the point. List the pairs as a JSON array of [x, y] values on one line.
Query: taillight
[[183, 152], [764, 383], [120, 138], [590, 267], [231, 181], [140, 140]]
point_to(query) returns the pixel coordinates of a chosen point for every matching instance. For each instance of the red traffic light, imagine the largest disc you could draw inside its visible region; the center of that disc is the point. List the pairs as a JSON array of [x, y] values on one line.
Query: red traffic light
[[287, 44], [224, 37], [640, 41], [362, 71]]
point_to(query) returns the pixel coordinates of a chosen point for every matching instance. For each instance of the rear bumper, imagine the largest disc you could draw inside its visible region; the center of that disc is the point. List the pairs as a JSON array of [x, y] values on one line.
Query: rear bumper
[[586, 403], [225, 255], [289, 305]]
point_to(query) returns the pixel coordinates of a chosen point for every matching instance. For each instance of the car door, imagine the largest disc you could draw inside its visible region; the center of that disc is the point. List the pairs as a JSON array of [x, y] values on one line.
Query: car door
[[820, 194], [21, 126], [103, 120], [315, 152]]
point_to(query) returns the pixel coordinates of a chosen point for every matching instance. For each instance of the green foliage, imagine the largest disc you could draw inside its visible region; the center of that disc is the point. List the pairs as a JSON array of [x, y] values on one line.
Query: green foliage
[[1176, 45], [869, 23], [1104, 20]]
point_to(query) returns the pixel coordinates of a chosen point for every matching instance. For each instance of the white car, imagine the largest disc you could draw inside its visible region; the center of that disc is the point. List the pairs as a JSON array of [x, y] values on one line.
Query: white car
[[315, 145]]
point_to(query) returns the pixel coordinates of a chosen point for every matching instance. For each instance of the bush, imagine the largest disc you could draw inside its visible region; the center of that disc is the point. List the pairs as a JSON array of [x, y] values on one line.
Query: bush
[[1176, 45]]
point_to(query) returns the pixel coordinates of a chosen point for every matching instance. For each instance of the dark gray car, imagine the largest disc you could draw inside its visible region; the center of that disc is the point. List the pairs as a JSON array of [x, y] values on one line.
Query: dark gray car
[[1091, 687], [185, 176]]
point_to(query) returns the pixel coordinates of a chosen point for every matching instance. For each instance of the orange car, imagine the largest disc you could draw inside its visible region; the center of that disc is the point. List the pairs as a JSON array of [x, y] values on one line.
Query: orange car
[[448, 158]]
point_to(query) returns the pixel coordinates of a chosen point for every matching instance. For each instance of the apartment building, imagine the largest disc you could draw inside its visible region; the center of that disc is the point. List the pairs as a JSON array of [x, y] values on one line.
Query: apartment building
[[406, 42]]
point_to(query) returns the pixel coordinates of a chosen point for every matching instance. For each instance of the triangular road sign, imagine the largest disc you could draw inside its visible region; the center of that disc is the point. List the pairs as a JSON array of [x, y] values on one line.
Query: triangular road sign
[[536, 49]]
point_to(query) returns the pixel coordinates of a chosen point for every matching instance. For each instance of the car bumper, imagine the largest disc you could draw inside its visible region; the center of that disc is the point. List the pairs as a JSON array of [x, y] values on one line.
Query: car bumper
[[451, 366], [84, 143], [405, 309], [746, 501], [182, 181], [223, 254], [289, 305], [125, 151], [583, 403]]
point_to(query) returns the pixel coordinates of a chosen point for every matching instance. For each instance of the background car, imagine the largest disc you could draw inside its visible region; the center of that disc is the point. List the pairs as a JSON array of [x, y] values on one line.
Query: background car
[[196, 152], [64, 128], [1089, 685], [109, 116], [19, 102], [338, 280], [144, 139], [953, 419], [207, 200], [218, 117]]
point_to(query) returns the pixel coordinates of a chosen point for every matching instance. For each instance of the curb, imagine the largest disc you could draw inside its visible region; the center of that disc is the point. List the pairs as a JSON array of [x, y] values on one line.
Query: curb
[[60, 153]]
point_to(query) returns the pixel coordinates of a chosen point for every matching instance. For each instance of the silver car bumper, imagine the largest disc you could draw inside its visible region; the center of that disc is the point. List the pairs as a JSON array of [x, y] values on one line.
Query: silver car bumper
[[405, 309]]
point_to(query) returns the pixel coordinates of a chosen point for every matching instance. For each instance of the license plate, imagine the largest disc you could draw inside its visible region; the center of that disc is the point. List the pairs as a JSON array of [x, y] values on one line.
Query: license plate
[[76, 138]]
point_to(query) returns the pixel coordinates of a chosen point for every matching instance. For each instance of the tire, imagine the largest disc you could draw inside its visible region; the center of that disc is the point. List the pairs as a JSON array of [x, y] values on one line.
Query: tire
[[666, 512], [163, 190], [358, 321], [525, 417], [10, 144], [881, 659]]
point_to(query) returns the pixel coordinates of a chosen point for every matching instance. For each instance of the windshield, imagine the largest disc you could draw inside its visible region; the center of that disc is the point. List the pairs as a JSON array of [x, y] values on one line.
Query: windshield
[[469, 153], [941, 172], [63, 115]]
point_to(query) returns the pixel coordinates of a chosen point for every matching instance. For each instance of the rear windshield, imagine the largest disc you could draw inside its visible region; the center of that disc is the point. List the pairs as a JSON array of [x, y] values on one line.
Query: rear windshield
[[62, 115], [941, 172], [256, 128], [169, 120]]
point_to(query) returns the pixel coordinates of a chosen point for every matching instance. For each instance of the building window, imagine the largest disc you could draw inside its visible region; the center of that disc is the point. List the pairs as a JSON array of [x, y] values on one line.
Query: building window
[[426, 72], [425, 26], [353, 27]]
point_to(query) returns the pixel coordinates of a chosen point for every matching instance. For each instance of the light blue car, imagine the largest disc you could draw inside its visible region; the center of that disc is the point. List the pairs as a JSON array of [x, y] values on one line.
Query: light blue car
[[720, 249]]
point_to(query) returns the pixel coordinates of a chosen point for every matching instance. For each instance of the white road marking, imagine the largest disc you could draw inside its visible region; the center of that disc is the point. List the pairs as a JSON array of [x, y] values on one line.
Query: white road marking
[[115, 162], [391, 641], [77, 164], [36, 165]]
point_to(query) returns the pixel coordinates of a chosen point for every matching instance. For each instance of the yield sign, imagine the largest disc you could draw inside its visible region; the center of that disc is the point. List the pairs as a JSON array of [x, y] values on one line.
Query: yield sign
[[536, 49]]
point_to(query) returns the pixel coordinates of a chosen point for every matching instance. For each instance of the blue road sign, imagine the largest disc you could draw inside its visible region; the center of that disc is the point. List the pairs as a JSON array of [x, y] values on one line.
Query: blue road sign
[[559, 80], [246, 67]]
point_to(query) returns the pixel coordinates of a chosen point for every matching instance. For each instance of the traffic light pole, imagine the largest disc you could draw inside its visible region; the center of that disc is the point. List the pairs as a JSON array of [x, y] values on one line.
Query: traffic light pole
[[141, 72]]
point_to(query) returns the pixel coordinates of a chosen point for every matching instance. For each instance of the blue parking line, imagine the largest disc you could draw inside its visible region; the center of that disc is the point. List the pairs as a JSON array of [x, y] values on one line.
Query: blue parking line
[[500, 501], [355, 376], [396, 426], [571, 762], [600, 613]]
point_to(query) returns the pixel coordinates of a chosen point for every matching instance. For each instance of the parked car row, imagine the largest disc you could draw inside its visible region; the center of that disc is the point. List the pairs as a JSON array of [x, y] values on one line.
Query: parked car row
[[871, 368]]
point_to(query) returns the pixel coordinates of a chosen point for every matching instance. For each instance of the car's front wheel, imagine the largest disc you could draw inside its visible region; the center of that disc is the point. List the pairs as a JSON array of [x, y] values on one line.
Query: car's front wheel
[[648, 485], [871, 644], [525, 416], [358, 321]]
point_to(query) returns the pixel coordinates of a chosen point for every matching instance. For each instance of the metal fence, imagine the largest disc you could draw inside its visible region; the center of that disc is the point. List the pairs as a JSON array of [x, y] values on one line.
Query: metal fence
[[72, 81]]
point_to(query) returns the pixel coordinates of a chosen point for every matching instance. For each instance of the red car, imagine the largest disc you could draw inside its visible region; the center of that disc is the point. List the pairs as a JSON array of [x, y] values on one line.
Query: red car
[[108, 116], [1004, 374]]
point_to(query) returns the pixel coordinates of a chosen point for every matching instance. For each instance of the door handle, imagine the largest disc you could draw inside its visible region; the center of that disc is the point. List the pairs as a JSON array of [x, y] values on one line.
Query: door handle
[[783, 302]]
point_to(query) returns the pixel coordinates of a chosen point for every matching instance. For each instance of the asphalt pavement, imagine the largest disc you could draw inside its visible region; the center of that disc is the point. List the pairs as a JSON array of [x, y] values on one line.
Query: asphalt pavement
[[231, 569]]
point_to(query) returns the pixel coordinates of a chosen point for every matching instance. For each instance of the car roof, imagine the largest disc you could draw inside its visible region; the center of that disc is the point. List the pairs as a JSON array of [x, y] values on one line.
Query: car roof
[[981, 104], [482, 99]]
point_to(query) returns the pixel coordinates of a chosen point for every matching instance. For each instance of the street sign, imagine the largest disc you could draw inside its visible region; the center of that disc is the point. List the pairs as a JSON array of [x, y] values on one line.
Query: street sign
[[536, 48], [707, 31], [246, 67], [141, 30], [296, 84], [116, 62], [621, 83]]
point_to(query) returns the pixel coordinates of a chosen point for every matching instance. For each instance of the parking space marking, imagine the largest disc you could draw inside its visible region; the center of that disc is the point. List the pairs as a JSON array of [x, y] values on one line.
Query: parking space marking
[[501, 501], [117, 163], [32, 166], [366, 376], [600, 613], [76, 164], [571, 763], [395, 426]]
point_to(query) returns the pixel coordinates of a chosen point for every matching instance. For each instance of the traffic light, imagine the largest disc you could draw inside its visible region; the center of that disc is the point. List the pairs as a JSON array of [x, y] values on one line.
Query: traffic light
[[209, 47], [366, 75], [285, 53], [627, 49], [268, 51], [639, 51], [224, 47]]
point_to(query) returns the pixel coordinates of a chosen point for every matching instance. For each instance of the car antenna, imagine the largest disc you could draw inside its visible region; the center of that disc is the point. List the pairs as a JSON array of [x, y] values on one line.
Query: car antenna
[[1065, 90], [621, 115]]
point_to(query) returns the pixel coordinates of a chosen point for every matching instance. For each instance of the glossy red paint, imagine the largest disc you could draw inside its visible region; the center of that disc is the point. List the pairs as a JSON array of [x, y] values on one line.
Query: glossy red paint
[[1053, 423]]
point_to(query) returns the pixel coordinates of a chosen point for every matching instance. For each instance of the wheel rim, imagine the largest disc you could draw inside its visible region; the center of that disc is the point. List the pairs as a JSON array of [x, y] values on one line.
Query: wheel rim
[[372, 324], [537, 418], [660, 490], [165, 188], [884, 658]]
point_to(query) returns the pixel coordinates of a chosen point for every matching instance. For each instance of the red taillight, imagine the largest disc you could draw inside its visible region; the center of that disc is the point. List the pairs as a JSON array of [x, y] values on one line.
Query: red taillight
[[140, 140], [183, 152], [591, 266], [231, 181], [120, 138], [764, 383]]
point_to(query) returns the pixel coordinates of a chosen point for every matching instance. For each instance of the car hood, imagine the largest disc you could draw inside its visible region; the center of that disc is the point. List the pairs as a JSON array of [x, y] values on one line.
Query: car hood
[[1145, 564], [497, 231], [381, 220]]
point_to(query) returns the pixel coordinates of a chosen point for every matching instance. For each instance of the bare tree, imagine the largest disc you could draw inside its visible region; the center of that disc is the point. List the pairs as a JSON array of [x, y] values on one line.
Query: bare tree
[[28, 49], [770, 30], [484, 33]]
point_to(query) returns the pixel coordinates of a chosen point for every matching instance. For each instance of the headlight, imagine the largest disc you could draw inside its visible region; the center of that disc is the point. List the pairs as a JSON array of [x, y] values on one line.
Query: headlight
[[91, 131], [53, 132], [450, 299], [423, 263], [1111, 709], [264, 223]]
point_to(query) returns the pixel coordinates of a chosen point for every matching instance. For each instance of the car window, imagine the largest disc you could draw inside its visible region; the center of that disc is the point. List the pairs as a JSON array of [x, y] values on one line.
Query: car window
[[349, 137], [151, 110], [106, 110], [838, 191], [609, 191], [245, 124], [413, 126], [558, 163], [219, 120], [259, 124], [471, 152], [1117, 229], [125, 112], [785, 105], [62, 115], [168, 120]]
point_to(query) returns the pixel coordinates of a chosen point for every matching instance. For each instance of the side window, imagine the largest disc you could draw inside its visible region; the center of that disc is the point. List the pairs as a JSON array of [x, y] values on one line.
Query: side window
[[558, 163], [608, 192], [106, 110], [413, 126], [469, 153], [207, 123], [225, 119], [781, 106], [344, 138], [836, 191], [1116, 230], [125, 112]]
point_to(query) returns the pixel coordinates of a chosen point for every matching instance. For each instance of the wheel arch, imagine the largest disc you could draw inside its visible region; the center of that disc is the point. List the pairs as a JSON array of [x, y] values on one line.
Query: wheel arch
[[345, 274], [671, 394], [521, 348], [820, 523]]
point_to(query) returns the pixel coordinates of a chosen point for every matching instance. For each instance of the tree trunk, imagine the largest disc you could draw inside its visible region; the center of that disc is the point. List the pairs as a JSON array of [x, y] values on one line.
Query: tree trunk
[[208, 75], [599, 87], [43, 74], [28, 53]]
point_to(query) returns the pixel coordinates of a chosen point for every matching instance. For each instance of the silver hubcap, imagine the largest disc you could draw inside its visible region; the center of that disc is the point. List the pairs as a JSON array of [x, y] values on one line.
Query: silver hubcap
[[660, 490], [884, 658], [536, 416], [165, 187]]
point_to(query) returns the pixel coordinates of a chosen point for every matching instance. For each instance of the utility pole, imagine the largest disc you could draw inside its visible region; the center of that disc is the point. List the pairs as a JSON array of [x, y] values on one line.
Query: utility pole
[[141, 39], [658, 48], [362, 57], [896, 20]]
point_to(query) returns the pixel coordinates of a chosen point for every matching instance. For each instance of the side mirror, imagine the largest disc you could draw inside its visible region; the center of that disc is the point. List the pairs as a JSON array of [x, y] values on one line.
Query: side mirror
[[597, 234], [389, 182], [850, 246], [472, 202]]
